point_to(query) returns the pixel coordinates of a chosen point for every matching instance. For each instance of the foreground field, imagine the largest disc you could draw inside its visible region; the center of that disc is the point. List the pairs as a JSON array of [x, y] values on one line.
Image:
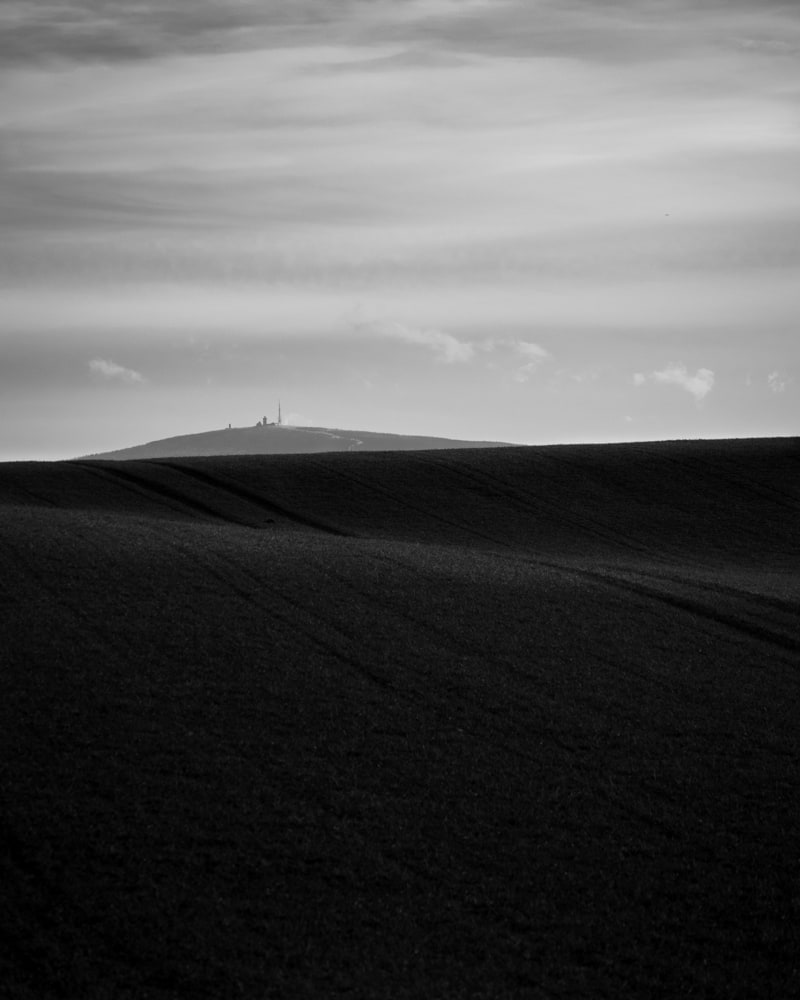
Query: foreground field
[[515, 722]]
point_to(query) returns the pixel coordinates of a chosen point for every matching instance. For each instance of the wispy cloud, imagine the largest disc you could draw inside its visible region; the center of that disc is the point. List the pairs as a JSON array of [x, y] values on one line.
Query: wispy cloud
[[535, 355], [450, 349], [108, 31], [777, 382], [445, 346], [698, 385], [111, 370]]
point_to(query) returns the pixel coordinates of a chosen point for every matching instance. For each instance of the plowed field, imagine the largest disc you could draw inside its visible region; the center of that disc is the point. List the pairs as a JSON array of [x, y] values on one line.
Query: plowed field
[[515, 722]]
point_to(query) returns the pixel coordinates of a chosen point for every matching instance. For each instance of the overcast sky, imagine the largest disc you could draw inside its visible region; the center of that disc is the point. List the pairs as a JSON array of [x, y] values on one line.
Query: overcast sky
[[522, 220]]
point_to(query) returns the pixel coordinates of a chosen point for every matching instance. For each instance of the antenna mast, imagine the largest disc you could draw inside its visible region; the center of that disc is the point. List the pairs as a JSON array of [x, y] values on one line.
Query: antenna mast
[[279, 414]]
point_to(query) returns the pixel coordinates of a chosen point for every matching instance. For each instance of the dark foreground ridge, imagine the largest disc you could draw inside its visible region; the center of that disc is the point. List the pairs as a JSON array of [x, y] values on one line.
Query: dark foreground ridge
[[283, 439], [516, 722]]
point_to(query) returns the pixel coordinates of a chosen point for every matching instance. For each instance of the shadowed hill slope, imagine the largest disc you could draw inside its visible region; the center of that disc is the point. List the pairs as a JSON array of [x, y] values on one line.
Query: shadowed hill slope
[[512, 722], [284, 440], [723, 501]]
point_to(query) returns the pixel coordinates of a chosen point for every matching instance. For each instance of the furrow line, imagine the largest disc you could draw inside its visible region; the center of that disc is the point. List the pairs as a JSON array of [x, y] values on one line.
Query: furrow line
[[148, 487], [700, 610], [257, 499], [426, 512], [532, 504]]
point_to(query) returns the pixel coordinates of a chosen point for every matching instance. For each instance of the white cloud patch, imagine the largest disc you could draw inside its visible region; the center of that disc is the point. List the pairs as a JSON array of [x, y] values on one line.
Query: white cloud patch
[[111, 370], [527, 357], [777, 382], [445, 346], [535, 356], [698, 385], [532, 355], [533, 351]]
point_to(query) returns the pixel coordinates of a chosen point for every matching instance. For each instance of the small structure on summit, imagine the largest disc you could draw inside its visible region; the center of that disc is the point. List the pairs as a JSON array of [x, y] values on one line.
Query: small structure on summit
[[263, 422]]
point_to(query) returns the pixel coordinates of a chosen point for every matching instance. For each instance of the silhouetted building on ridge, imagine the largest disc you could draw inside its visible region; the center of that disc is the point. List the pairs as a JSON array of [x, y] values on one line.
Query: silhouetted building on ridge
[[263, 422]]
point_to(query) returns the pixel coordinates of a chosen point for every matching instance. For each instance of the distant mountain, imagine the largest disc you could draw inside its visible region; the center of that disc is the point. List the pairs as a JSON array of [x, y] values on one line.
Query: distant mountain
[[282, 440]]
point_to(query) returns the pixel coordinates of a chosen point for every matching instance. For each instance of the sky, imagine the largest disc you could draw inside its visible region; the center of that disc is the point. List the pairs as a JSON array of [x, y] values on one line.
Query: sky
[[533, 221]]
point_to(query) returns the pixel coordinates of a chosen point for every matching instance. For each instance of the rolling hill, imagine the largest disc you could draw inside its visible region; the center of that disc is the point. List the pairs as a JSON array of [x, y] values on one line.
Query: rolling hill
[[510, 722], [274, 439]]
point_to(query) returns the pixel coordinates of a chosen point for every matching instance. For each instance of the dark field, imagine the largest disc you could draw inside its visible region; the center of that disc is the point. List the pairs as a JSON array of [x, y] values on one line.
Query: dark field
[[515, 722]]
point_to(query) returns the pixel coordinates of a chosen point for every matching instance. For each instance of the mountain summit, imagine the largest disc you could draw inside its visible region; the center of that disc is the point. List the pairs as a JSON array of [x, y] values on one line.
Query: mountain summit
[[277, 439]]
